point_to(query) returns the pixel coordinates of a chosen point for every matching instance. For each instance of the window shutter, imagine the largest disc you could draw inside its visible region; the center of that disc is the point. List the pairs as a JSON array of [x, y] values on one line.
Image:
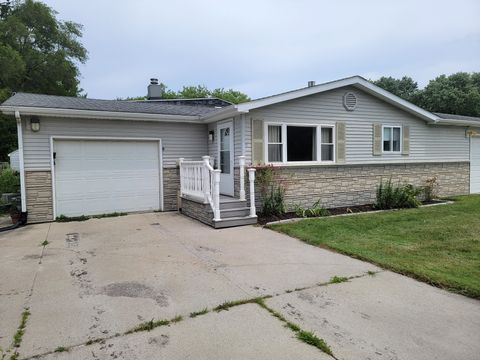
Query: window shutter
[[340, 143], [377, 139], [257, 142], [406, 140]]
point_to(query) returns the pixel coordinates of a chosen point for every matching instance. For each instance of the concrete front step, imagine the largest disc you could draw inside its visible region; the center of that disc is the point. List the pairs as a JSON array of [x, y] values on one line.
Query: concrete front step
[[235, 221]]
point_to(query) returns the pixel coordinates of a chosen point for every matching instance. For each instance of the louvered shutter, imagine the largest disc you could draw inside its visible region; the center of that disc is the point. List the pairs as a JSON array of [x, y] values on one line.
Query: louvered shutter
[[406, 140], [257, 142], [377, 139], [340, 143]]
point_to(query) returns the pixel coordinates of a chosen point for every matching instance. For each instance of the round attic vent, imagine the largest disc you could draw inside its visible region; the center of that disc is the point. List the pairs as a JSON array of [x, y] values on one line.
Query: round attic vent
[[350, 101]]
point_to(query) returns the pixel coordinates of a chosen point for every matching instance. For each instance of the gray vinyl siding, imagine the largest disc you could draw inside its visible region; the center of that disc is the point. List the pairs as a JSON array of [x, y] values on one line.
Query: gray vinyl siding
[[178, 139], [237, 133], [427, 142]]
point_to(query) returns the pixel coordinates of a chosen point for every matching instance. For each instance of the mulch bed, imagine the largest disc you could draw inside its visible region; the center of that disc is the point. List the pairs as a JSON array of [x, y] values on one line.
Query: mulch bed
[[262, 220]]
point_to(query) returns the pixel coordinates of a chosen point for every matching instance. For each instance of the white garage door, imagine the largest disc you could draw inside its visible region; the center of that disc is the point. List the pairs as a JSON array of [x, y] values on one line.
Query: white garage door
[[101, 176], [475, 165]]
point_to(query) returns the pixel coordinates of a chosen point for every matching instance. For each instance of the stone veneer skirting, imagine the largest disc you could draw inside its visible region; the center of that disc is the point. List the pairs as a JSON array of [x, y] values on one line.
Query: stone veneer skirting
[[196, 210], [38, 185], [349, 185], [334, 185]]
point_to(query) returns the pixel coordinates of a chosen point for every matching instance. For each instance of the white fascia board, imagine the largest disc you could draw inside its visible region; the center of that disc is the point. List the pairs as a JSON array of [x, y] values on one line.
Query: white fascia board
[[227, 112], [457, 122], [92, 114], [356, 81]]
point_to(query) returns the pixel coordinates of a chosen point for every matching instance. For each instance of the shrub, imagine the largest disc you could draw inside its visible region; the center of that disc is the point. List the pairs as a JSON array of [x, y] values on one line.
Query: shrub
[[273, 193], [274, 202], [390, 196], [430, 189], [9, 181], [315, 211]]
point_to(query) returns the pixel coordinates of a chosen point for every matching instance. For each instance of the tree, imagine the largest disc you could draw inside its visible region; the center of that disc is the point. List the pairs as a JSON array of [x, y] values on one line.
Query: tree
[[406, 87], [455, 94], [38, 54], [196, 92]]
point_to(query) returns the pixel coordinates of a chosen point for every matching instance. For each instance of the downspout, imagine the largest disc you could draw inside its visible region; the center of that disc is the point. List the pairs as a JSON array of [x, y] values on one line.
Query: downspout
[[23, 193]]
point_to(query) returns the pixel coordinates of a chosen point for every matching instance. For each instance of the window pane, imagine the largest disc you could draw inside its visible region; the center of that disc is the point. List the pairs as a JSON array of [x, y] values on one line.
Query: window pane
[[274, 134], [275, 152], [225, 162], [387, 138], [327, 152], [396, 139], [327, 136], [301, 143]]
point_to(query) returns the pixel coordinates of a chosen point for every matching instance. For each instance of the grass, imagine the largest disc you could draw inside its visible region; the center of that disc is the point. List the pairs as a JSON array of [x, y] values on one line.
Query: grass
[[61, 349], [338, 280], [44, 243], [198, 313], [17, 337], [311, 339], [63, 218], [439, 245], [152, 324]]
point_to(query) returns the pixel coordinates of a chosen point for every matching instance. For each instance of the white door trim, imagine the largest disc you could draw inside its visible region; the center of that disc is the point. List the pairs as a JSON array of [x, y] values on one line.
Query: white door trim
[[221, 125], [471, 159], [107, 138]]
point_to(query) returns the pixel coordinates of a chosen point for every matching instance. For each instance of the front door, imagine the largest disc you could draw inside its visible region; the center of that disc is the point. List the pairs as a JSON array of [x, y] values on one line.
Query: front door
[[225, 156]]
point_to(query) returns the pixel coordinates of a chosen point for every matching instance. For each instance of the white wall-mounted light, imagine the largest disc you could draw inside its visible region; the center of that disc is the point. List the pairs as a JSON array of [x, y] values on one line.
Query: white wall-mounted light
[[35, 124], [211, 136]]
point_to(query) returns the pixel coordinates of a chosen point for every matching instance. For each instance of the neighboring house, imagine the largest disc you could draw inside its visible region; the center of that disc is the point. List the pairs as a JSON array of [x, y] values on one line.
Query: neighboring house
[[332, 142], [14, 160]]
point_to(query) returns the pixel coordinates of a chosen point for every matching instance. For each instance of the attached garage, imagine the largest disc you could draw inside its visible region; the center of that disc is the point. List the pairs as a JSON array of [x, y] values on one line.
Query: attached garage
[[92, 176], [475, 164]]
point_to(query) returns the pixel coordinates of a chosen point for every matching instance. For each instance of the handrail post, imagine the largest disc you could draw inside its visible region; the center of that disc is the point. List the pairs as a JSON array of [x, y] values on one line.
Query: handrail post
[[182, 180], [241, 161], [251, 179], [216, 194], [206, 178]]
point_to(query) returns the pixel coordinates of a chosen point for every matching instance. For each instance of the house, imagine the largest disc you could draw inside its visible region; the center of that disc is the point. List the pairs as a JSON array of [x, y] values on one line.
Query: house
[[14, 160], [332, 142]]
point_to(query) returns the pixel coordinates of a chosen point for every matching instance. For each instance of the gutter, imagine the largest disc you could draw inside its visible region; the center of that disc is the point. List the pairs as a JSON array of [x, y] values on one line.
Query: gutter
[[23, 192]]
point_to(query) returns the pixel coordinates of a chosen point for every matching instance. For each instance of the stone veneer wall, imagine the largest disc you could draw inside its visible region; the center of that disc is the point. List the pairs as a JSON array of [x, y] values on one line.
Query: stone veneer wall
[[197, 211], [349, 185], [38, 185], [171, 186]]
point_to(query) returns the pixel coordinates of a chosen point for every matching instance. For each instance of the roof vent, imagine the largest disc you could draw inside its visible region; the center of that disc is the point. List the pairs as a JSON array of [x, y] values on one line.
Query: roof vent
[[155, 89], [350, 101], [311, 83]]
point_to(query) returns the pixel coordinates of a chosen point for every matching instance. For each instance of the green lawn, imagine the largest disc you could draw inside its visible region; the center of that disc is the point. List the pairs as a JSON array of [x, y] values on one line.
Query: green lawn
[[439, 245]]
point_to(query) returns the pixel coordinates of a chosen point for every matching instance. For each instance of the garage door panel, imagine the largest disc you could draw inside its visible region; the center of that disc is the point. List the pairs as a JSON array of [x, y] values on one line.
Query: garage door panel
[[97, 177]]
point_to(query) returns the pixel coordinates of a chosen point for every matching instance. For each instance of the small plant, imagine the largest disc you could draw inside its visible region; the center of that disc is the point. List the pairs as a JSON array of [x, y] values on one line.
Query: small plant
[[338, 280], [430, 189], [273, 193], [44, 243], [311, 339], [17, 338], [60, 349], [315, 211], [198, 313], [389, 196]]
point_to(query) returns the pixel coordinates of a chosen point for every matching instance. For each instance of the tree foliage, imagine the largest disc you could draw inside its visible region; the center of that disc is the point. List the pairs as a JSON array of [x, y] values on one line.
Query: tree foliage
[[38, 54], [199, 91], [454, 94]]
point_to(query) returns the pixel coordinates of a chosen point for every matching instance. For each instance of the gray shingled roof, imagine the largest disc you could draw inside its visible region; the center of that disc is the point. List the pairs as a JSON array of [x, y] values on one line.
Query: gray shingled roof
[[457, 117], [147, 107]]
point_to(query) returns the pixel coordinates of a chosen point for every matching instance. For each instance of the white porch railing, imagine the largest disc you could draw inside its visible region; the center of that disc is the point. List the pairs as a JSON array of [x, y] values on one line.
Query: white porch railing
[[200, 181]]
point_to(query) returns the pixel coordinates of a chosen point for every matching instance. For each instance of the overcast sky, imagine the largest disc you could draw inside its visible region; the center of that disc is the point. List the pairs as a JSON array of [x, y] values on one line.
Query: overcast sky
[[264, 47]]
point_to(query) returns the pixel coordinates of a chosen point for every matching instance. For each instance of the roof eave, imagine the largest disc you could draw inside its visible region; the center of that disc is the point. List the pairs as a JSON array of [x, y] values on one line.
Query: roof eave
[[224, 113], [456, 122], [94, 114]]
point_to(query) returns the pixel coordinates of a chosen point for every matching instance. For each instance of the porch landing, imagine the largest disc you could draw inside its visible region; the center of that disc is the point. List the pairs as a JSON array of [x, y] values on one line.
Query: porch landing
[[233, 212]]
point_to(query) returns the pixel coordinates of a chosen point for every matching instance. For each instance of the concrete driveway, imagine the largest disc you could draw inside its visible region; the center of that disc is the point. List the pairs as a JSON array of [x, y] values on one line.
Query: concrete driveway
[[98, 279]]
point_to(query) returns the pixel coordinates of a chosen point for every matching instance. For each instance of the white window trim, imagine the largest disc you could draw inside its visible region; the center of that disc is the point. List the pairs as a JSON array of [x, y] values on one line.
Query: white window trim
[[391, 141], [284, 144]]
